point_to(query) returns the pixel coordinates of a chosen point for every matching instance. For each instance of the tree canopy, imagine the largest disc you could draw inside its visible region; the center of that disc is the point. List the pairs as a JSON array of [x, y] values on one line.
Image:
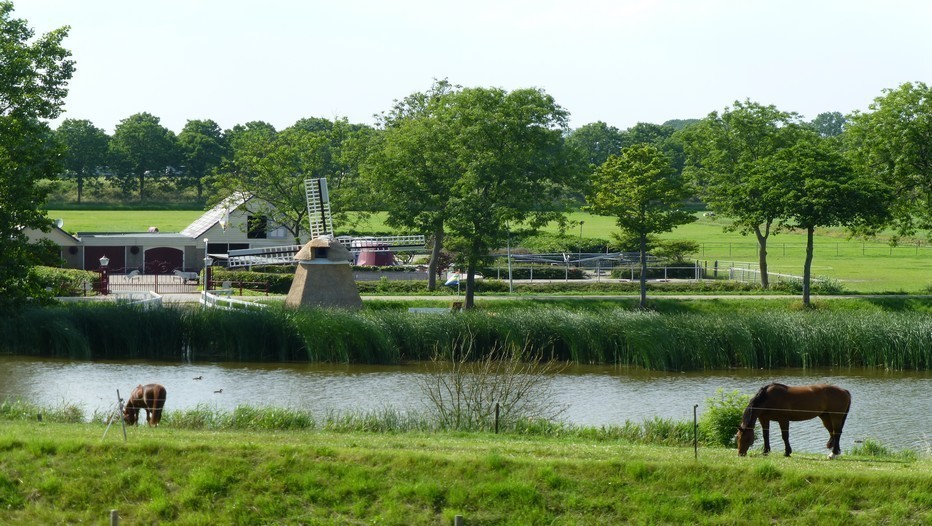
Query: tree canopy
[[86, 148], [142, 150], [894, 141], [820, 189], [35, 75], [729, 157], [470, 162], [643, 191]]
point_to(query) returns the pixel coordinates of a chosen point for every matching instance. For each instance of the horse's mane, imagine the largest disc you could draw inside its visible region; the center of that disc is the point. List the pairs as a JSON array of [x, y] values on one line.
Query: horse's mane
[[748, 418]]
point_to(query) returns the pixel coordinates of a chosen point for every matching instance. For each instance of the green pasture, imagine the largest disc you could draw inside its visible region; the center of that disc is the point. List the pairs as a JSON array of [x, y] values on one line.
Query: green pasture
[[53, 473], [124, 220], [866, 266]]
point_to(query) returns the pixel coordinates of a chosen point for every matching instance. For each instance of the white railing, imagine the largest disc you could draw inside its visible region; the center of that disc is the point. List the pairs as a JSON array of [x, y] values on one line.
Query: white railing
[[145, 300], [752, 275], [220, 299]]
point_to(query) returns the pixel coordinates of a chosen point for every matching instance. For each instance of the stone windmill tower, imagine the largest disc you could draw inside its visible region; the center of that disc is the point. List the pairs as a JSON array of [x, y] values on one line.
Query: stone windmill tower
[[324, 277]]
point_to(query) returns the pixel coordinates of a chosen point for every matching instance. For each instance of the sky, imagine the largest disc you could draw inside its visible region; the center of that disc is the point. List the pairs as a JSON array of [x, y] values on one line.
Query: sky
[[616, 61]]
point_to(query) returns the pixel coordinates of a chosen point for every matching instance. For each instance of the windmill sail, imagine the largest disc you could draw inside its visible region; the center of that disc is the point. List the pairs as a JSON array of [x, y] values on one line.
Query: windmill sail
[[318, 207], [321, 223]]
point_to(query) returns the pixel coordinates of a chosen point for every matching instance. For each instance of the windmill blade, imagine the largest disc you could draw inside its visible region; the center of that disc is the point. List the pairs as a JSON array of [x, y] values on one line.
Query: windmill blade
[[283, 255], [411, 243], [318, 207]]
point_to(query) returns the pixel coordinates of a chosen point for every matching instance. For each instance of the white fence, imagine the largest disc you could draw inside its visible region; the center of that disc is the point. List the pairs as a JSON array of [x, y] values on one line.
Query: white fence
[[145, 300], [220, 299], [753, 275]]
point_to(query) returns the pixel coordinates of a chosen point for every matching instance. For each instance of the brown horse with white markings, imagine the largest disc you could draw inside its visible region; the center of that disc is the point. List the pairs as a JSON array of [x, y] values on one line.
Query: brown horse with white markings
[[150, 397], [785, 404]]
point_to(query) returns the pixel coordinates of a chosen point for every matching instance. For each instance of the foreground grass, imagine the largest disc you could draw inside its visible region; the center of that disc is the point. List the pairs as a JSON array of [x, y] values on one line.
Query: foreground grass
[[65, 473]]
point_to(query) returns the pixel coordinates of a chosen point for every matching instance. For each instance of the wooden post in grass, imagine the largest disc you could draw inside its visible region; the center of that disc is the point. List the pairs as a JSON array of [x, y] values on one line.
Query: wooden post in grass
[[458, 520], [695, 431], [114, 518]]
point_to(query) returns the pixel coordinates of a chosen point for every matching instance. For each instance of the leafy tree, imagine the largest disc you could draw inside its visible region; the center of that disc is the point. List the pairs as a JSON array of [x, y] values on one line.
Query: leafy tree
[[642, 190], [203, 149], [829, 124], [729, 157], [412, 168], [596, 142], [820, 189], [467, 163], [661, 136], [142, 149], [86, 146], [892, 141], [35, 73], [681, 124], [272, 166]]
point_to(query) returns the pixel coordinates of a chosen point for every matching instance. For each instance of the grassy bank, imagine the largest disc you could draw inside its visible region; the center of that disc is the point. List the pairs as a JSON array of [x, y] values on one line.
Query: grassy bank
[[65, 473], [716, 335]]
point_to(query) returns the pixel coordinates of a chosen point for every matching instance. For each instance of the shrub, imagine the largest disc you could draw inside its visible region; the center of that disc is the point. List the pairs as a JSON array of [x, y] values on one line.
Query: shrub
[[64, 282], [722, 416]]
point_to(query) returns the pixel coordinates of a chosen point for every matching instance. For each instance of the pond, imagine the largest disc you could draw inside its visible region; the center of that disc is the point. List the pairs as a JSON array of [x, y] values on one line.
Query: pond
[[892, 407]]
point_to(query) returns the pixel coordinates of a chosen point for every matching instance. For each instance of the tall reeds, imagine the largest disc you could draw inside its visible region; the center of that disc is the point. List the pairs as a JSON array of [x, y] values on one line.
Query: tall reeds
[[678, 342]]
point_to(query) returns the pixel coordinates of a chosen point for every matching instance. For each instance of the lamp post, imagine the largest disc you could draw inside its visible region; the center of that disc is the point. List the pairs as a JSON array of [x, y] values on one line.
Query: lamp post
[[207, 263], [104, 275], [580, 239]]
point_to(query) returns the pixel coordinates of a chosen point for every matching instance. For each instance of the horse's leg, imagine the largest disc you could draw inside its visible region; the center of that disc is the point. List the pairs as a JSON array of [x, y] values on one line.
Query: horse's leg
[[765, 431], [829, 424], [785, 431], [834, 425]]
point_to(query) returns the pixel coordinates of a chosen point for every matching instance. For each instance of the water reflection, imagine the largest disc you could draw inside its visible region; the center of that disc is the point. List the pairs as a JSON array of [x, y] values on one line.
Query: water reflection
[[890, 407]]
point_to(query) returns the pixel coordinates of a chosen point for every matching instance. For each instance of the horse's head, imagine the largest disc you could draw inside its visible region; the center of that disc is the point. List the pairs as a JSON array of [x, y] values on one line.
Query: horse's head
[[130, 415], [745, 439]]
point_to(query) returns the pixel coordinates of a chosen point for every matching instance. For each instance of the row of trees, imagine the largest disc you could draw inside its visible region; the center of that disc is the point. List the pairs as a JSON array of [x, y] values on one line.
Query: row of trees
[[464, 165], [469, 165]]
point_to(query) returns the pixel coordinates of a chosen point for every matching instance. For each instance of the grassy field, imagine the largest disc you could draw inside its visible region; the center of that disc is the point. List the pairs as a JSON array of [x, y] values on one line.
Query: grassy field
[[67, 474], [871, 266]]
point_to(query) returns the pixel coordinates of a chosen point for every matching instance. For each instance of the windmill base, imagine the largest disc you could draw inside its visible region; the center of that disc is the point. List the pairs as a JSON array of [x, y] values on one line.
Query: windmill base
[[323, 285]]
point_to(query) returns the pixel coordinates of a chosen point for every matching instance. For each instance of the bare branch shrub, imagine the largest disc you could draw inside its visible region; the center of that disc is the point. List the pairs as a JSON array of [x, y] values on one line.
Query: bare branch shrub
[[462, 387]]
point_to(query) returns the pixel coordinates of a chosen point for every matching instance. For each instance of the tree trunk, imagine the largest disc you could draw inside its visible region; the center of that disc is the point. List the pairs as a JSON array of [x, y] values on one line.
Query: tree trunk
[[807, 266], [434, 259], [470, 285], [142, 186], [762, 254], [643, 279], [80, 187]]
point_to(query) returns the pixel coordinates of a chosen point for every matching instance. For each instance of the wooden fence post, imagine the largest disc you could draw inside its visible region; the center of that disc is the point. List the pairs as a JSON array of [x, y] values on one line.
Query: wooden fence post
[[114, 518]]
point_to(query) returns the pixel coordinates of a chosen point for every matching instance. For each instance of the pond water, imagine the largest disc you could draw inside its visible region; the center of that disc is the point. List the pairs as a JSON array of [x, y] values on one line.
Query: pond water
[[892, 407]]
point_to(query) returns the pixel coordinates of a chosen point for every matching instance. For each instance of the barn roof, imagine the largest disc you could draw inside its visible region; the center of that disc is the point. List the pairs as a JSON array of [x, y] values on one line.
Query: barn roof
[[215, 214]]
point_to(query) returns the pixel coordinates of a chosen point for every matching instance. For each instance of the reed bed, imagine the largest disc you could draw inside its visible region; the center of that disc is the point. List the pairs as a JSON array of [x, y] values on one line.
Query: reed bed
[[651, 340]]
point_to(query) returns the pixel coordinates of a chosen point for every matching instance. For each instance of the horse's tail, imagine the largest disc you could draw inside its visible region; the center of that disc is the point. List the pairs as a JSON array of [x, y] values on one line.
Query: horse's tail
[[847, 409]]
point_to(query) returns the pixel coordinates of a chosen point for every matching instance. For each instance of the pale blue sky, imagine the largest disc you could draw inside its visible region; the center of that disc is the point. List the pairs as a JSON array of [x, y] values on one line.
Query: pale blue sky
[[619, 61]]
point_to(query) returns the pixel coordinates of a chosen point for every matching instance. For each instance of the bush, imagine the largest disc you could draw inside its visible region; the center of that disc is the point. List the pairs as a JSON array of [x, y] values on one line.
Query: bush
[[64, 281], [722, 417]]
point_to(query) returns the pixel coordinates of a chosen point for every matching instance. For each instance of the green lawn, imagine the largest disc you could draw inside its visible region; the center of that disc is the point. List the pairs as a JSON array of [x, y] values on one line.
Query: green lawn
[[124, 220], [67, 474]]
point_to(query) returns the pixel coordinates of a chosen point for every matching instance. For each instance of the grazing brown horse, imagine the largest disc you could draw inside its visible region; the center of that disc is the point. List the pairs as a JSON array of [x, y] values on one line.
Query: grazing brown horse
[[785, 404], [150, 397]]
